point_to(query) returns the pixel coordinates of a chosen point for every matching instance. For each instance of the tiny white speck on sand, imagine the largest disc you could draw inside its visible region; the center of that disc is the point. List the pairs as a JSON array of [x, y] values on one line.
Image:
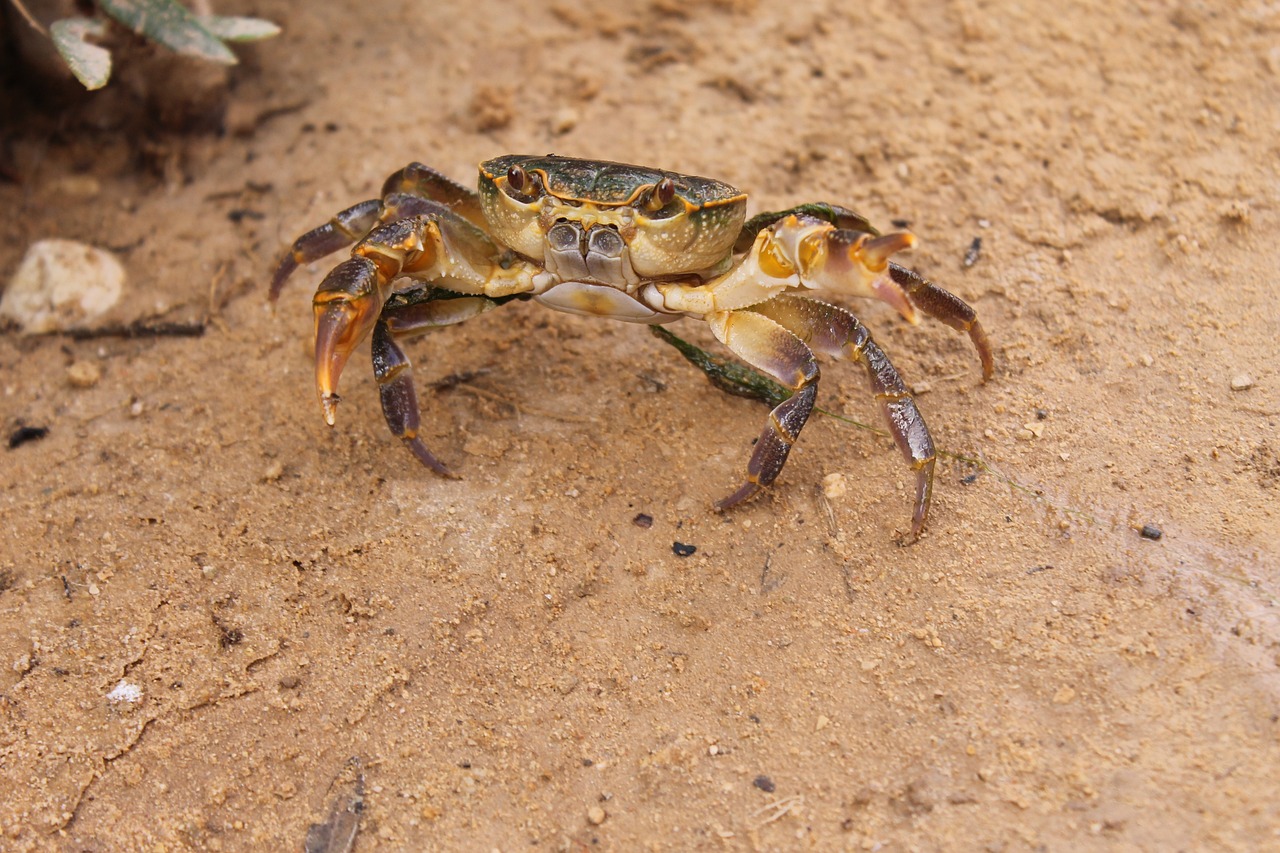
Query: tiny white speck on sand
[[125, 692]]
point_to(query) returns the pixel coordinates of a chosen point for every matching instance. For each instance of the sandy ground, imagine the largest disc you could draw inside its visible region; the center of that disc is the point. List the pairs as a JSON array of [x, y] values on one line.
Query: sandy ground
[[509, 661]]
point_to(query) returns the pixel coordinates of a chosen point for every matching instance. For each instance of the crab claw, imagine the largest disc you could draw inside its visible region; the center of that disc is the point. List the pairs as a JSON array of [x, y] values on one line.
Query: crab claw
[[889, 291], [876, 251], [346, 306]]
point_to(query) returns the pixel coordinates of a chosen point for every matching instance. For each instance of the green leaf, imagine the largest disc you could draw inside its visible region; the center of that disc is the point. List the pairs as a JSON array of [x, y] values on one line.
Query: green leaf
[[231, 28], [169, 24], [90, 63], [728, 376]]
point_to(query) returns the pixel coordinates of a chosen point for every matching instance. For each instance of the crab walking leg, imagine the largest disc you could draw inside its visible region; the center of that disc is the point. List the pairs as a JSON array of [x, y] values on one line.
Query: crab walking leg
[[426, 183], [769, 347], [945, 306], [352, 224], [837, 333], [394, 371], [342, 230], [438, 247]]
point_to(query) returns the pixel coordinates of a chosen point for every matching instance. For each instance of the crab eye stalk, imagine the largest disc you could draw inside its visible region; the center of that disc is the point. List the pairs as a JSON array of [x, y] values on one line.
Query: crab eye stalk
[[521, 185], [661, 195]]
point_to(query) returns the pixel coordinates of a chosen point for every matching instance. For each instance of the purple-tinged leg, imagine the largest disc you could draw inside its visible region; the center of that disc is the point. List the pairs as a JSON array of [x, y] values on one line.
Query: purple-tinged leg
[[394, 371], [837, 333], [950, 309], [769, 347]]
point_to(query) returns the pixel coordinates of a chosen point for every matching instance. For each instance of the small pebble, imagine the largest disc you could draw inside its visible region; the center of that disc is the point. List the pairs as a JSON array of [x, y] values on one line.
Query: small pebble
[[835, 486], [125, 691], [77, 186], [975, 250], [24, 434], [682, 550], [764, 783], [1150, 531], [1241, 382], [564, 120], [83, 374], [62, 285], [643, 520], [274, 471], [596, 815]]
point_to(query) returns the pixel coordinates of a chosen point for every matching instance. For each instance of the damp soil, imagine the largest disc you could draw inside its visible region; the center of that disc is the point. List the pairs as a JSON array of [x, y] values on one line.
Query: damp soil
[[222, 621]]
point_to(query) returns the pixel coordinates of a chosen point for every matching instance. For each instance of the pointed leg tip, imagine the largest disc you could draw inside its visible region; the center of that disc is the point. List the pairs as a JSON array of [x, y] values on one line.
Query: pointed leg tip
[[747, 491], [426, 457], [285, 269], [329, 402], [983, 345]]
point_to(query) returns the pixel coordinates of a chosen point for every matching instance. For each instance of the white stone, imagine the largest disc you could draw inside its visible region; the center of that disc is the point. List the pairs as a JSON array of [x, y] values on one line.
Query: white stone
[[62, 285], [125, 691]]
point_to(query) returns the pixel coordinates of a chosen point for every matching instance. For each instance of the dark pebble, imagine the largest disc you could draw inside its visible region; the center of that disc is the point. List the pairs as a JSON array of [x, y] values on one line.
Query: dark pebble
[[1150, 531], [975, 249], [240, 214], [764, 783], [643, 520], [22, 435], [682, 550], [969, 479]]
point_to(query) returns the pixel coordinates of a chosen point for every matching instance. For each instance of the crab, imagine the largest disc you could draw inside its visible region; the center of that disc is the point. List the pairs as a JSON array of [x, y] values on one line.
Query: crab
[[630, 243]]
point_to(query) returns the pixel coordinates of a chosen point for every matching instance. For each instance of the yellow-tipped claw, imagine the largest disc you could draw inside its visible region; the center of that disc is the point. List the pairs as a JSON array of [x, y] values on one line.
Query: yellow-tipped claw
[[877, 251], [889, 291], [334, 344], [346, 308]]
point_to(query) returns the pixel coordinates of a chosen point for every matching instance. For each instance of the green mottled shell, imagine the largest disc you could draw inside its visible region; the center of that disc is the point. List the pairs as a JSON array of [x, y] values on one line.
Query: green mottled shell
[[604, 183]]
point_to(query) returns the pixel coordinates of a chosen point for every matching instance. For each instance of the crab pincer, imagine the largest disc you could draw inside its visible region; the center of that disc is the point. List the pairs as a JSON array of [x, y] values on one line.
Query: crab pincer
[[347, 306]]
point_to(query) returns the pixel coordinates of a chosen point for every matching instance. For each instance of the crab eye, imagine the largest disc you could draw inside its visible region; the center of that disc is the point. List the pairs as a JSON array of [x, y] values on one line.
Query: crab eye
[[661, 195], [665, 191], [523, 186], [517, 178]]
